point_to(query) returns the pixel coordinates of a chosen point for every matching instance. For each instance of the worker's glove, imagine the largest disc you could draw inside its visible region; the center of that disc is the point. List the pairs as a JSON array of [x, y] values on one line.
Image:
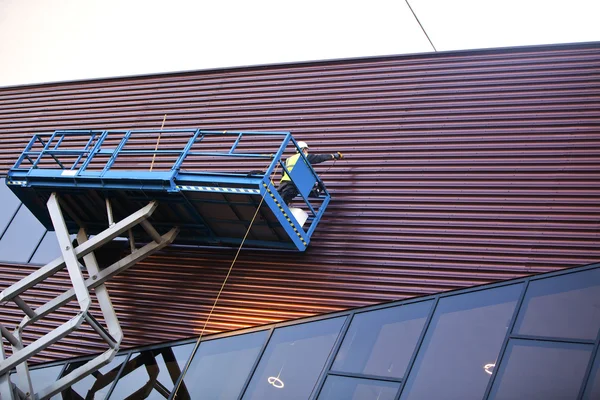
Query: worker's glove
[[338, 156]]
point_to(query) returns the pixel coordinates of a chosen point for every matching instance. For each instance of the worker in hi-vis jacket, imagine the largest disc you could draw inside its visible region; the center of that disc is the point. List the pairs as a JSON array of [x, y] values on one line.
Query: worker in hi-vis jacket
[[287, 190]]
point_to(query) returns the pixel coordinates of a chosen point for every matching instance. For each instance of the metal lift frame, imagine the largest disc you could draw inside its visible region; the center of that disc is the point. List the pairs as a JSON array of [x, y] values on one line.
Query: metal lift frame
[[29, 171], [112, 335]]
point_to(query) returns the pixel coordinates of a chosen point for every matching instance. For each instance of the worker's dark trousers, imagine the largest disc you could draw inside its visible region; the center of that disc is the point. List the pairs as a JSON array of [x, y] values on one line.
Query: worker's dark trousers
[[287, 190]]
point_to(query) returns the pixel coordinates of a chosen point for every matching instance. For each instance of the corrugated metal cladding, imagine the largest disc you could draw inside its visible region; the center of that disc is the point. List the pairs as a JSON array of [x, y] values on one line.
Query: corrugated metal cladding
[[462, 168]]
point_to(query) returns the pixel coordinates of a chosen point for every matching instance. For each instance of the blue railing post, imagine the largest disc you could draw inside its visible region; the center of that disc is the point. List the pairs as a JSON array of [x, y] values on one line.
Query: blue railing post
[[46, 146], [185, 151], [237, 141], [85, 149], [24, 154], [115, 153], [94, 150]]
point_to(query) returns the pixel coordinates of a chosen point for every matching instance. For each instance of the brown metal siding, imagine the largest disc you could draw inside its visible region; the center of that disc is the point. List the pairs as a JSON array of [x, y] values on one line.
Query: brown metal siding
[[462, 168]]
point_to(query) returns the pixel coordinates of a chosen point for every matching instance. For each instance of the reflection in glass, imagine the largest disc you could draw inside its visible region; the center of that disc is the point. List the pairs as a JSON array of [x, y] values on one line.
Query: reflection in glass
[[465, 334], [220, 367], [8, 205], [95, 386], [44, 377], [592, 391], [293, 360], [152, 374], [565, 306], [344, 388], [382, 342], [21, 237], [541, 370], [47, 250]]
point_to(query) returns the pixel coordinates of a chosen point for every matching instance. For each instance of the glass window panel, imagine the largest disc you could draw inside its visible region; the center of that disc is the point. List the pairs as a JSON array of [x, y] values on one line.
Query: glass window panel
[[541, 370], [42, 378], [465, 334], [382, 342], [21, 237], [220, 367], [293, 360], [566, 306], [8, 205], [152, 374], [97, 385], [592, 391], [344, 388], [47, 250]]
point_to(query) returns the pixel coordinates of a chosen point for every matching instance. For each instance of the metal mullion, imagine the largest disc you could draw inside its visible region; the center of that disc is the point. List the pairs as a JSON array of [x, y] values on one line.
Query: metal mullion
[[366, 376], [552, 339], [413, 358], [10, 221], [588, 371], [507, 338], [333, 354], [255, 366], [562, 272], [37, 247], [118, 377]]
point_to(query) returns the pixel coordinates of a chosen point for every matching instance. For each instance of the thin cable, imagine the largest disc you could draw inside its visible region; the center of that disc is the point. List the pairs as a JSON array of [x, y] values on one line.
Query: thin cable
[[187, 365], [415, 15]]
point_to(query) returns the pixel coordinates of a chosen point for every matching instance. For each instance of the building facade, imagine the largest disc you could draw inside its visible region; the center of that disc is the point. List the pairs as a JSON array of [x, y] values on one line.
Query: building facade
[[530, 338], [462, 169]]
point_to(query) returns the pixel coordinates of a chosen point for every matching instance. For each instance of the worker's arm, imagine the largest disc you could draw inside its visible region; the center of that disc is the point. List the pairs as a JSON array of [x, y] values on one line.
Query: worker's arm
[[319, 158]]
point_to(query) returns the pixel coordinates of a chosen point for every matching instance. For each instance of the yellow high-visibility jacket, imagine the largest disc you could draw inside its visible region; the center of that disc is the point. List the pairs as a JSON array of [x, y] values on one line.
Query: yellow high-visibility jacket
[[312, 159]]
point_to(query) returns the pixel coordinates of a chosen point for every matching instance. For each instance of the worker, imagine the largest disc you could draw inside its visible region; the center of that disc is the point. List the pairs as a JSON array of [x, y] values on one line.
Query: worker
[[287, 190]]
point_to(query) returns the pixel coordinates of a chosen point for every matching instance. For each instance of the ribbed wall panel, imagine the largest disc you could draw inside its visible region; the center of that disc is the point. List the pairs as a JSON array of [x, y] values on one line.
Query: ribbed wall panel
[[462, 168]]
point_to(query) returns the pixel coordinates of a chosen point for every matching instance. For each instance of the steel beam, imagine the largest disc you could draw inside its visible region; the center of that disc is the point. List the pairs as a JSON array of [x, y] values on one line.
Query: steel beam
[[69, 255], [83, 249]]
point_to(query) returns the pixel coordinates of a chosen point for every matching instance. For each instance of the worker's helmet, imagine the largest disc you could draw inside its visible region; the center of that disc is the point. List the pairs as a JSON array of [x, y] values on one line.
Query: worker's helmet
[[302, 145]]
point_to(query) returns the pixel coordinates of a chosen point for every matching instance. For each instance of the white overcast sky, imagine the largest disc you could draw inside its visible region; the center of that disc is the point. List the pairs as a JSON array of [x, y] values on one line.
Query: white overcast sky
[[64, 40]]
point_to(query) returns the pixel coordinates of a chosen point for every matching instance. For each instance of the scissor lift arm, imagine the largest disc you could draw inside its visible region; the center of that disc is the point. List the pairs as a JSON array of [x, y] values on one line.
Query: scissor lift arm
[[19, 385]]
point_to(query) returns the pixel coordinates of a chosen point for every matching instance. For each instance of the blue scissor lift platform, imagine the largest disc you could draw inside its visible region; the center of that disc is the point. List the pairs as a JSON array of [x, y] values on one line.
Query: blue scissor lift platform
[[204, 188], [207, 183]]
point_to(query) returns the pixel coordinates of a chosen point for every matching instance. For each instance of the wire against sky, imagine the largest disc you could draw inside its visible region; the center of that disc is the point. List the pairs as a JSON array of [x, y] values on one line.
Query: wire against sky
[[413, 13]]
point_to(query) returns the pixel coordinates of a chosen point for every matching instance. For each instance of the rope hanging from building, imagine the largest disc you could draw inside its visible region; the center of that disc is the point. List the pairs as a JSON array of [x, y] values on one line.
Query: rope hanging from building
[[187, 365]]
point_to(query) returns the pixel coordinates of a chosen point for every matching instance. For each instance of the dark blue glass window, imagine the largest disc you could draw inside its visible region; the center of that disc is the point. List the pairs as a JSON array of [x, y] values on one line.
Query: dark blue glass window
[[152, 374], [382, 342], [344, 388], [541, 370], [293, 360], [465, 335], [9, 203], [21, 237], [592, 391], [566, 306], [97, 385], [47, 250], [221, 367], [41, 378]]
